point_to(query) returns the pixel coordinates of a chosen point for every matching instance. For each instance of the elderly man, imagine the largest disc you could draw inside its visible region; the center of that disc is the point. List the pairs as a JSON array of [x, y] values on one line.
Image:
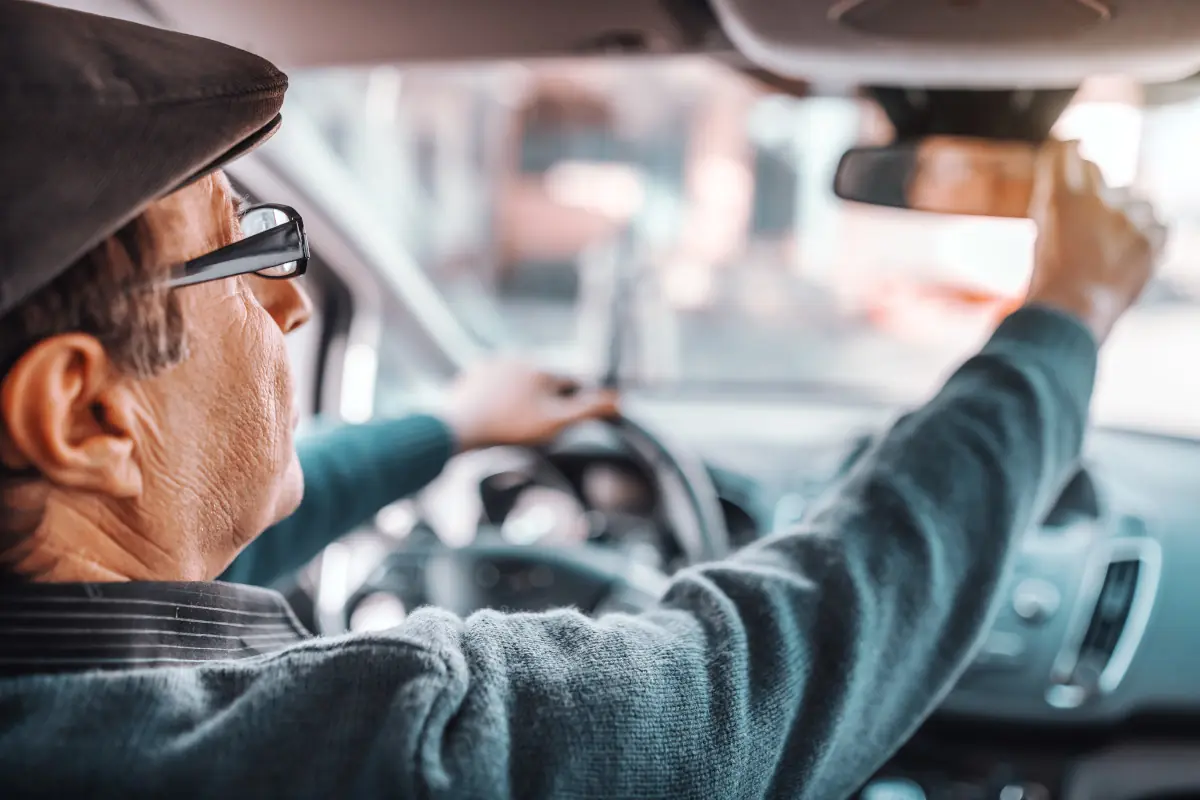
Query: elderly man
[[146, 438]]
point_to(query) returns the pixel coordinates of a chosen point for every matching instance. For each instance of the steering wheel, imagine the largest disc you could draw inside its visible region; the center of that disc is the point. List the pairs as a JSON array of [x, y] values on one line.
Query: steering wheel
[[487, 573]]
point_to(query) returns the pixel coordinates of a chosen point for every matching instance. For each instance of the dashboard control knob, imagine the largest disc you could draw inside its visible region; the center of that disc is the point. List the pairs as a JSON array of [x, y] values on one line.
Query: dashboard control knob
[[892, 789], [1001, 650], [1066, 696], [1024, 791], [1035, 600]]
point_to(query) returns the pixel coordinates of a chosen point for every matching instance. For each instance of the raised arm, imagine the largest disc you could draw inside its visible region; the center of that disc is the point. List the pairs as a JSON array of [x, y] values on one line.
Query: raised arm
[[797, 667]]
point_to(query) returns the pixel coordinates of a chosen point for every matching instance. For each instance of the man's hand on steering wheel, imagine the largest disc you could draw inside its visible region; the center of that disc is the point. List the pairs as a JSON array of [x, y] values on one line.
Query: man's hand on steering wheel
[[511, 404], [508, 402]]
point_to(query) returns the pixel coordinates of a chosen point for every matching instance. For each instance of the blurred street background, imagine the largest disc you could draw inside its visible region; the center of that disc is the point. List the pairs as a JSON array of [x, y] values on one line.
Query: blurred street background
[[513, 186]]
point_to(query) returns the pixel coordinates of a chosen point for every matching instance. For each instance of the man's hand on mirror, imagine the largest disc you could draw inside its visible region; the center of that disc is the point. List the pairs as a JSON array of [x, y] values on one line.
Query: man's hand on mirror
[[1096, 248], [509, 402]]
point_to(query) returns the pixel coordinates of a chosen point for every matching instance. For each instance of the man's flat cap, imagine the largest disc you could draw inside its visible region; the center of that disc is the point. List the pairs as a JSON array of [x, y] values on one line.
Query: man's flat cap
[[100, 117]]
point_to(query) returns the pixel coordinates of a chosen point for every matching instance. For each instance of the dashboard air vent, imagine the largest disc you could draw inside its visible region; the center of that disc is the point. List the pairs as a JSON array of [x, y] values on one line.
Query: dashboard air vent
[[1096, 657], [1113, 607]]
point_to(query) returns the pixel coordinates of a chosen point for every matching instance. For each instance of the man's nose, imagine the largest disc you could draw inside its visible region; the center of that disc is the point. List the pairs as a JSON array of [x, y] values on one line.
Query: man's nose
[[286, 301]]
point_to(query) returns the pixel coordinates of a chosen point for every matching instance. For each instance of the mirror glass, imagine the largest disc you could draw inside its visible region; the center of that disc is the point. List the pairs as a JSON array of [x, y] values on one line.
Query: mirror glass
[[942, 174]]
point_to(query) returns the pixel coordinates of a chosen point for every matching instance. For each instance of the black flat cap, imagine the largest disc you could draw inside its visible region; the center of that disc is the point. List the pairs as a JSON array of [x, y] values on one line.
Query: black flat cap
[[100, 117]]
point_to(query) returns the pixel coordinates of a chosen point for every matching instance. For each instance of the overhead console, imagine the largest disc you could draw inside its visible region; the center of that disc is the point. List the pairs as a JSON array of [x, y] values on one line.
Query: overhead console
[[1009, 44]]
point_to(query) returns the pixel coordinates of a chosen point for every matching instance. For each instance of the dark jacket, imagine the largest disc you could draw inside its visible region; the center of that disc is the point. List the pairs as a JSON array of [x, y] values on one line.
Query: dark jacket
[[793, 669]]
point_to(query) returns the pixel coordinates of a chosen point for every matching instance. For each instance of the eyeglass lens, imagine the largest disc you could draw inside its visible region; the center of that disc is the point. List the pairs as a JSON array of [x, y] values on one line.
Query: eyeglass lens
[[257, 220]]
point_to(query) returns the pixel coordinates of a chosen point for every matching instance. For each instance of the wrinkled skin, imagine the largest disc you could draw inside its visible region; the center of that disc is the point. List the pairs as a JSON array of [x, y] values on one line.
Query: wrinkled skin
[[164, 478]]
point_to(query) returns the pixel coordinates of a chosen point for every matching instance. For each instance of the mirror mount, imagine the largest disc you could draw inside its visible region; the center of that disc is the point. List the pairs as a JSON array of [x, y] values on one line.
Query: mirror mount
[[1006, 114]]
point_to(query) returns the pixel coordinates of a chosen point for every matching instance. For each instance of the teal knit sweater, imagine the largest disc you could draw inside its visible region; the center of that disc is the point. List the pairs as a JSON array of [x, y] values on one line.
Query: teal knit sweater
[[793, 669]]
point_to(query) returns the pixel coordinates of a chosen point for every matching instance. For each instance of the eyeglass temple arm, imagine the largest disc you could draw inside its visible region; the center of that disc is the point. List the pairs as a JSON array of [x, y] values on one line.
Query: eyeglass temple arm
[[273, 247]]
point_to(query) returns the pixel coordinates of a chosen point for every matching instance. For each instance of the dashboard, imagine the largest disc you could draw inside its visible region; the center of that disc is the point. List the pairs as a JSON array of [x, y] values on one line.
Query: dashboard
[[1085, 687], [1086, 683]]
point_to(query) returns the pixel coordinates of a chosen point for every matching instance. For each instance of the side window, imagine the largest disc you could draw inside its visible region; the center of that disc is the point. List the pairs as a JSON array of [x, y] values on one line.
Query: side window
[[313, 349]]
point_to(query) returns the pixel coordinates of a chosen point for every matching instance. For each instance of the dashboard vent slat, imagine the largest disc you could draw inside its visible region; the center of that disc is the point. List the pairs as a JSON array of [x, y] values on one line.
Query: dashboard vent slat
[[1107, 633], [1113, 606]]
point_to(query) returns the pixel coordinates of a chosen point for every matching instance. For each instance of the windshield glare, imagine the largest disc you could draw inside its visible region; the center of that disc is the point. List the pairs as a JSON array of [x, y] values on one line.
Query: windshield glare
[[517, 188]]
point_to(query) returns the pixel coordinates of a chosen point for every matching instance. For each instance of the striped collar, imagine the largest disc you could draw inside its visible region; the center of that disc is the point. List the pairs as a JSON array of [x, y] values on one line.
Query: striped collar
[[72, 627]]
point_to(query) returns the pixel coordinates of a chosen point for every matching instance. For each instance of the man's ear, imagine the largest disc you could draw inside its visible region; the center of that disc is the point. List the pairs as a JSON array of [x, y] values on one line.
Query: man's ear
[[70, 417]]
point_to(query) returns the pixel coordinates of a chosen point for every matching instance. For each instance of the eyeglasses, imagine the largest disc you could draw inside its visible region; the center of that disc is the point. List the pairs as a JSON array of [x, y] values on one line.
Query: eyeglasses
[[274, 247]]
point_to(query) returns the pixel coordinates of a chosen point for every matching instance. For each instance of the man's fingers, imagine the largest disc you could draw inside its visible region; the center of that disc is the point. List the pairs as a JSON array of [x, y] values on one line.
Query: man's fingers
[[1080, 176], [590, 404], [559, 385], [1095, 247], [1140, 213], [1047, 180], [573, 403], [1156, 235], [1069, 171], [1095, 177]]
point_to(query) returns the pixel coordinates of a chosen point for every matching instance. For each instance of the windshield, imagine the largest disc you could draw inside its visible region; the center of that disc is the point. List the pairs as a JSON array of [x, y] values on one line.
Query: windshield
[[524, 191]]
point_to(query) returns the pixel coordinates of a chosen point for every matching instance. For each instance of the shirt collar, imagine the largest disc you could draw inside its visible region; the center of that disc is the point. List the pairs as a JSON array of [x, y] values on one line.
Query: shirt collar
[[71, 627]]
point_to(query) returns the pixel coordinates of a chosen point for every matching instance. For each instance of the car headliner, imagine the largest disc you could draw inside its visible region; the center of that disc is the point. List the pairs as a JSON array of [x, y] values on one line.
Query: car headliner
[[962, 43]]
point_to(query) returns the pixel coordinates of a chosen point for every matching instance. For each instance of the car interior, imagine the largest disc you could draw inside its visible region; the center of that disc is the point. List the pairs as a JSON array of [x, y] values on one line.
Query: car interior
[[774, 225]]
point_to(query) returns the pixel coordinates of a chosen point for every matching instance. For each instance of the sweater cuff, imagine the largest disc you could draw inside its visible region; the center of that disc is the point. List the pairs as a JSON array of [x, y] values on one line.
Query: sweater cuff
[[1055, 339], [405, 453]]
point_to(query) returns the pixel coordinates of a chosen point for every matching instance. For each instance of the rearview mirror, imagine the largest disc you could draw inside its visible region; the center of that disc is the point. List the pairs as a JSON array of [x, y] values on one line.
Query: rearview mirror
[[942, 174]]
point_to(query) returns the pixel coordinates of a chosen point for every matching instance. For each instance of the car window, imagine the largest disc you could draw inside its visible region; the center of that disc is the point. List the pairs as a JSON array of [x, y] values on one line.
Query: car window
[[509, 185]]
